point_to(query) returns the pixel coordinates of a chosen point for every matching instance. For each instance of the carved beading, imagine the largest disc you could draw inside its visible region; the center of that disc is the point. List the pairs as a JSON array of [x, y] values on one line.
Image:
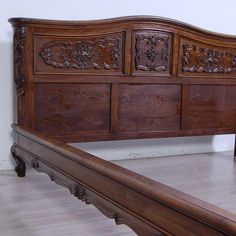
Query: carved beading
[[199, 59], [84, 54], [152, 51], [19, 45]]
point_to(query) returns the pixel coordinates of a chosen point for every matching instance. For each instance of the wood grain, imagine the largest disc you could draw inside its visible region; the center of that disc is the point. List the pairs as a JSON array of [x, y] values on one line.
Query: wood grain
[[147, 206], [210, 106], [134, 77], [149, 107], [124, 54], [72, 109]]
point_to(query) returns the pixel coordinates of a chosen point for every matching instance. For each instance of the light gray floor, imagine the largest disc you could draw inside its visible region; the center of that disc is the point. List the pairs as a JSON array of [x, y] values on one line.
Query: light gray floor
[[35, 206], [210, 177]]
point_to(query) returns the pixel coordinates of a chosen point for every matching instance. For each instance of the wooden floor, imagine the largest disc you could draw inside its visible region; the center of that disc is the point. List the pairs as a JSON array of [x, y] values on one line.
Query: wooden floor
[[210, 177], [35, 206]]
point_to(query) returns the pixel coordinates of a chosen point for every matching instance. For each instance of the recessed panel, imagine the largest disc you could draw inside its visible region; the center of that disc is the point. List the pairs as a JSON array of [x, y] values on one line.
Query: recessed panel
[[102, 54], [149, 107], [201, 59], [151, 53], [211, 106], [68, 109]]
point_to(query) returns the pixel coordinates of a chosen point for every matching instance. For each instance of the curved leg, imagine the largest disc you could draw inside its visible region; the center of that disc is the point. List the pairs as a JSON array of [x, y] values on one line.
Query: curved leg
[[20, 164]]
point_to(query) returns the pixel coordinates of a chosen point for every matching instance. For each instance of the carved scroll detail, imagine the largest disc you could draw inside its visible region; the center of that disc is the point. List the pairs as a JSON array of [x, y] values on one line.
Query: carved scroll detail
[[152, 51], [84, 54], [76, 189], [105, 208], [20, 164], [199, 59], [87, 195], [19, 47]]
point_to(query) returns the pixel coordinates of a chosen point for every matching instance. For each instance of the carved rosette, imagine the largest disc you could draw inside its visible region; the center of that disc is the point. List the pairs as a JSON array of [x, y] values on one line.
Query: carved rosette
[[84, 54], [199, 59], [152, 51], [19, 47], [80, 192]]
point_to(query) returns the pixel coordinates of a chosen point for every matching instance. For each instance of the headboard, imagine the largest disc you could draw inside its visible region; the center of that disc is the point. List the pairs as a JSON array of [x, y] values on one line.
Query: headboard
[[122, 78]]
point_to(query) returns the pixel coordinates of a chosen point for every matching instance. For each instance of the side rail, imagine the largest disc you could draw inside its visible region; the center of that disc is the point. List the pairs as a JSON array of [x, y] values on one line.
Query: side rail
[[148, 207]]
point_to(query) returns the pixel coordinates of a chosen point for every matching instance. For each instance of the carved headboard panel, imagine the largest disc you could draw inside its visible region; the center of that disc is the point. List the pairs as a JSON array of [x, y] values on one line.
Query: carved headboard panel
[[131, 77]]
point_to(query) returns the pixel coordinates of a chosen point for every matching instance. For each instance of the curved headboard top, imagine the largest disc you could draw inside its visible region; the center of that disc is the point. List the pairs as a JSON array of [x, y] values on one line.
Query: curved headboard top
[[22, 21], [127, 77]]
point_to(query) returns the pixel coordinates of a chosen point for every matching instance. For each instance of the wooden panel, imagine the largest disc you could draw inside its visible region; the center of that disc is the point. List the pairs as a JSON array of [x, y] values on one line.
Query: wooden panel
[[149, 107], [200, 59], [152, 52], [62, 109], [81, 54], [211, 106]]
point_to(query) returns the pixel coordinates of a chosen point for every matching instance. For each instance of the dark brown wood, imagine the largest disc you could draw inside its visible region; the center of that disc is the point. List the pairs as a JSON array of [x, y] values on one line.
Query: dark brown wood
[[211, 106], [152, 52], [114, 108], [20, 164], [91, 54], [147, 206], [235, 148], [133, 77], [206, 59], [109, 79], [67, 110], [149, 108], [19, 51]]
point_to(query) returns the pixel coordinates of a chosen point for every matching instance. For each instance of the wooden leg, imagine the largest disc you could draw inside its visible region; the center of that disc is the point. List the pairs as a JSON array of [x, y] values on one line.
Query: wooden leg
[[20, 164], [235, 148]]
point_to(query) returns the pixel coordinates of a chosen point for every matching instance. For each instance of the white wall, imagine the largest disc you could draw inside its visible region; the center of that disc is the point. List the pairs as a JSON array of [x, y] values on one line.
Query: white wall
[[215, 15]]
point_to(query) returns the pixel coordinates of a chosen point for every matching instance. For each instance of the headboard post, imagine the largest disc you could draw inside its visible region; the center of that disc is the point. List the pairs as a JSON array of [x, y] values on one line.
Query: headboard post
[[22, 76]]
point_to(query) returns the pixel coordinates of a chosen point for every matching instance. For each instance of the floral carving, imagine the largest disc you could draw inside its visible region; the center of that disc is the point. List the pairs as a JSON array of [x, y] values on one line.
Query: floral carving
[[198, 59], [84, 54], [19, 41], [115, 54], [80, 192], [151, 54], [152, 51]]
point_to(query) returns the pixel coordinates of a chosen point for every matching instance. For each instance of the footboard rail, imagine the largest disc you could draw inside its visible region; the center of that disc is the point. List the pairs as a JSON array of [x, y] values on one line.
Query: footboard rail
[[148, 207]]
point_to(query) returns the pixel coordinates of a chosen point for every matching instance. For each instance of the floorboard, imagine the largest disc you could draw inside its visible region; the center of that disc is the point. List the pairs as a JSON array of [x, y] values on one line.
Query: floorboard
[[35, 206], [210, 177]]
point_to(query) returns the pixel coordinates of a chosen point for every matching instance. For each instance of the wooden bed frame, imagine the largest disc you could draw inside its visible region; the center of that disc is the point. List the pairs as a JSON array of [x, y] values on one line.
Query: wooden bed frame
[[123, 78]]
